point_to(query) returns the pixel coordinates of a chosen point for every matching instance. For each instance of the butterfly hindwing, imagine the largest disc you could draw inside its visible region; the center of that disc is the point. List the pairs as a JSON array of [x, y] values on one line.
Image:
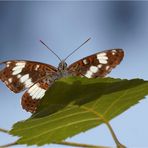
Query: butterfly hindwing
[[19, 74], [34, 94], [97, 65]]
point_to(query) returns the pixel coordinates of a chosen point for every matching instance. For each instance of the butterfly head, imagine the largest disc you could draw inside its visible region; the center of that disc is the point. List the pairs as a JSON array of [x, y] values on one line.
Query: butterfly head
[[62, 65]]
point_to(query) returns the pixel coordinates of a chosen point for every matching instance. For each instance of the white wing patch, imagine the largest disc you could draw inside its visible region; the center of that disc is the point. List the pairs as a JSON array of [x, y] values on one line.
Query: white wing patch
[[114, 52], [107, 67], [92, 70], [10, 80], [24, 78], [37, 67], [99, 66], [28, 83], [88, 74], [102, 58], [36, 92], [85, 61], [18, 68], [18, 76], [8, 64]]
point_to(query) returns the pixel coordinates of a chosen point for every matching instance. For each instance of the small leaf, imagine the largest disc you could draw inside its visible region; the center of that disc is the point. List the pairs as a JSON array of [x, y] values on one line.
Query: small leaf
[[73, 105]]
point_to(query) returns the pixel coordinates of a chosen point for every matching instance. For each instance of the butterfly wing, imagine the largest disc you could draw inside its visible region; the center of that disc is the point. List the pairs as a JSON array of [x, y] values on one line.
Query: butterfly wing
[[34, 76], [33, 96], [19, 75], [97, 65]]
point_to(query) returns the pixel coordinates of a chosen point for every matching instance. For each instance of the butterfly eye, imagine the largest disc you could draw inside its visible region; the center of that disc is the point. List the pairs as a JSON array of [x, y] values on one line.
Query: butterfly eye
[[65, 65], [62, 65]]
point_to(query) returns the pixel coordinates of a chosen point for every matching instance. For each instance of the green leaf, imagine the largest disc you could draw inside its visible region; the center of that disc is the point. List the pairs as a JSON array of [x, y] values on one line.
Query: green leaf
[[73, 105]]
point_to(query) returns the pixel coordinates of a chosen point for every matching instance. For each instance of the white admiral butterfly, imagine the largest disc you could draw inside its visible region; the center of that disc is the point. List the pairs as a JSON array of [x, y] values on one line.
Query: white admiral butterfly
[[37, 77]]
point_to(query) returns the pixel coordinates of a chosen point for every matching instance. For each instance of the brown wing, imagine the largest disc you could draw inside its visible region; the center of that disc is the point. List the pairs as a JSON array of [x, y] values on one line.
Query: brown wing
[[20, 74], [97, 65]]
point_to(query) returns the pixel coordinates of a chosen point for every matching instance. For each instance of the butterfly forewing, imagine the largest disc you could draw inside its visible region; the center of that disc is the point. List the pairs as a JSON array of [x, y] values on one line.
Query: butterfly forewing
[[97, 65], [19, 75]]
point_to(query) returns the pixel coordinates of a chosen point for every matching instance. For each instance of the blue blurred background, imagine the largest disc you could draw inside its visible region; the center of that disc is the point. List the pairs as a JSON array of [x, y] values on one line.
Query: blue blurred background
[[64, 26]]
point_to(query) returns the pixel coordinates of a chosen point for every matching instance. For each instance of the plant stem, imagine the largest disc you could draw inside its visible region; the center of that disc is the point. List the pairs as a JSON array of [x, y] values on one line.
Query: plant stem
[[62, 143], [79, 145], [8, 145], [119, 145], [101, 117], [4, 131]]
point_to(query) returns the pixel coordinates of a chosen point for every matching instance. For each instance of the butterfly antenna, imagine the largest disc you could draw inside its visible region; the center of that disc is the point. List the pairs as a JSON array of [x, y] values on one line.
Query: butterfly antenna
[[50, 50], [77, 49]]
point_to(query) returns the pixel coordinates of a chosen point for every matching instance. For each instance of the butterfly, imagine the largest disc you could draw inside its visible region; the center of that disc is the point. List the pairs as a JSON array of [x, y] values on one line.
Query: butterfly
[[36, 78]]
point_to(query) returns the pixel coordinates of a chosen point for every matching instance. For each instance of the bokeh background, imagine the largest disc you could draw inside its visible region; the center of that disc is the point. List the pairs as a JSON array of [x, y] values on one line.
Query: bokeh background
[[64, 26]]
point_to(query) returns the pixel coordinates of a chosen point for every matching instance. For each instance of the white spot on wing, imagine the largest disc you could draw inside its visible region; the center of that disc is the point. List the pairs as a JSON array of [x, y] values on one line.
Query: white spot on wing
[[101, 54], [103, 61], [8, 64], [85, 61], [37, 67], [114, 52], [32, 88], [18, 68], [28, 83], [41, 94], [93, 69], [107, 67], [18, 76], [36, 92], [21, 63], [10, 80], [102, 58], [35, 95], [100, 65], [16, 71], [88, 74], [24, 78]]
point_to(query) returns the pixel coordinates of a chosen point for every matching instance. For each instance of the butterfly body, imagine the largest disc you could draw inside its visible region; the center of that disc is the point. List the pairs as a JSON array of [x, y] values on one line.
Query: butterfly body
[[36, 78], [62, 69]]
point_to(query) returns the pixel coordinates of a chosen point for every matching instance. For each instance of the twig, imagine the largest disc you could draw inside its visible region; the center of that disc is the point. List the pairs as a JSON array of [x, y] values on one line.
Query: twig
[[62, 143], [79, 145], [118, 144], [4, 131], [8, 145]]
